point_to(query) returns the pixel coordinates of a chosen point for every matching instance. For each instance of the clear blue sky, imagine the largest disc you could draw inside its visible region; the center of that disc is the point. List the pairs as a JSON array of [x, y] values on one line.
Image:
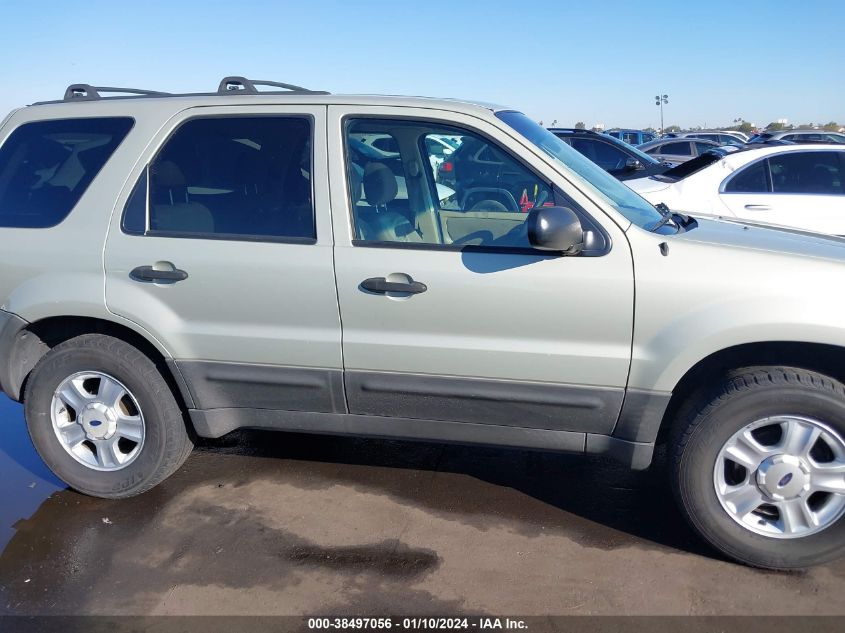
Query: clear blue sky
[[599, 61]]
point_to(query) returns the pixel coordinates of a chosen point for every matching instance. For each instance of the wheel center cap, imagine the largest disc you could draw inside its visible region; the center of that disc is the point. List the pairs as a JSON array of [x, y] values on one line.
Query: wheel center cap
[[98, 421], [783, 477]]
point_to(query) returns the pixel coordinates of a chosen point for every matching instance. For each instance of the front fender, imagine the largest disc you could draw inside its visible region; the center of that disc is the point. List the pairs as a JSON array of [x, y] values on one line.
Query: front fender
[[662, 359], [702, 297]]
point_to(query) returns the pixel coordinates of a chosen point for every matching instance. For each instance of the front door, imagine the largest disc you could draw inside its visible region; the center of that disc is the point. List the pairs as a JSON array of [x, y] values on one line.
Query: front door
[[447, 312]]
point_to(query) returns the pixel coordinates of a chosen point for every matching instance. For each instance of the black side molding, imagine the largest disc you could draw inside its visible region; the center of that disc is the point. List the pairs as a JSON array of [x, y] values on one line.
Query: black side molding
[[484, 401], [221, 385], [641, 415]]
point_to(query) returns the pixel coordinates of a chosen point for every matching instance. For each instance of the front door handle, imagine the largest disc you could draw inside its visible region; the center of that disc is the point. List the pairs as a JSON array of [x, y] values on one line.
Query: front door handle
[[758, 207], [381, 285], [148, 273]]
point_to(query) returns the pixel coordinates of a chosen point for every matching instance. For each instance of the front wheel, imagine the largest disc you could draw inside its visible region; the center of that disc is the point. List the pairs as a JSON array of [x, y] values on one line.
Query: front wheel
[[103, 418], [759, 467]]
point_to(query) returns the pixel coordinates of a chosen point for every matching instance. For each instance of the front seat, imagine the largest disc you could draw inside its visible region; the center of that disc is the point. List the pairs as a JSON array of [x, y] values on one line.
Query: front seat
[[380, 189], [380, 185], [171, 210], [356, 188]]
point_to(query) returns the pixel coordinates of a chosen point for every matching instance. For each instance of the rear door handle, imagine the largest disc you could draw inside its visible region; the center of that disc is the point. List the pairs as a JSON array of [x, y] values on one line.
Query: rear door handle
[[758, 207], [381, 285], [148, 273]]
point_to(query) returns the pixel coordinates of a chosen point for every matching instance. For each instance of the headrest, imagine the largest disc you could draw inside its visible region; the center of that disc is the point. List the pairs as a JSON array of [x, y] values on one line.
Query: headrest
[[379, 184], [168, 174]]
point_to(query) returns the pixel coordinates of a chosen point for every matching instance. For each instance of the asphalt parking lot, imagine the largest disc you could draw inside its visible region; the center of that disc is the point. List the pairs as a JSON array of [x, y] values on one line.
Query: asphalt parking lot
[[262, 523]]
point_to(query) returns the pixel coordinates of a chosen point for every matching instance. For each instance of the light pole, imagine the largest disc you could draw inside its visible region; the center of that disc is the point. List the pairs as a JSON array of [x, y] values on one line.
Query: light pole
[[659, 101]]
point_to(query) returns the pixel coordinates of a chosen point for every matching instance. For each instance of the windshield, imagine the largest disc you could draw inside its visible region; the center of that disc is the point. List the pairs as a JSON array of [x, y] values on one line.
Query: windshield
[[624, 200]]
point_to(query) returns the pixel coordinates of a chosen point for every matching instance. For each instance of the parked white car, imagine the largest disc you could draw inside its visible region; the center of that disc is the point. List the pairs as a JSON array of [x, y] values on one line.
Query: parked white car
[[800, 186]]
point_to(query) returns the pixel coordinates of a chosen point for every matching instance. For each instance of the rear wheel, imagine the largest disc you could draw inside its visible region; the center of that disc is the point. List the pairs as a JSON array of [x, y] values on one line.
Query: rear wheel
[[759, 467], [103, 418]]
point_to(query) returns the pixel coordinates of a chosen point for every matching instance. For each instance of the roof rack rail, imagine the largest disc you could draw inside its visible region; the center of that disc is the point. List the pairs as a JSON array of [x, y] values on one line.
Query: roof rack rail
[[248, 86], [228, 86], [86, 92]]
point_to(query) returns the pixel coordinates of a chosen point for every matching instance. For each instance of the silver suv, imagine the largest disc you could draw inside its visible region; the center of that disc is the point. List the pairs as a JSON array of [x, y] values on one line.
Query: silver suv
[[174, 266]]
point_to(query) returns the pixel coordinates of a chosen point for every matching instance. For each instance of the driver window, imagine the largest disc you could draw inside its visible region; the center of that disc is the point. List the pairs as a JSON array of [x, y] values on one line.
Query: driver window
[[442, 185]]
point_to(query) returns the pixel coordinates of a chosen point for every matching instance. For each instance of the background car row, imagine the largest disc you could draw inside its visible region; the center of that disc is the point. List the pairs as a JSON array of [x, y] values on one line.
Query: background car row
[[790, 178]]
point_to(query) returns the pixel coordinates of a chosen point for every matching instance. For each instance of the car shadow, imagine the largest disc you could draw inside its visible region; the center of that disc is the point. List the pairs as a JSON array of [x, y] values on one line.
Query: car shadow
[[636, 507], [485, 262]]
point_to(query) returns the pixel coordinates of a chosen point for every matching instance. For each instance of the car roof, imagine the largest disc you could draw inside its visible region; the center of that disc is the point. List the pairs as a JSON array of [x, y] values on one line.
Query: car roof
[[240, 91], [748, 153], [181, 101], [725, 132], [571, 130], [675, 139], [784, 132]]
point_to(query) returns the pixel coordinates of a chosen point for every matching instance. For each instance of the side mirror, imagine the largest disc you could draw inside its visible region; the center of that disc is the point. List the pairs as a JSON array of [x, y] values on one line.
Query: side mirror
[[633, 164], [555, 229]]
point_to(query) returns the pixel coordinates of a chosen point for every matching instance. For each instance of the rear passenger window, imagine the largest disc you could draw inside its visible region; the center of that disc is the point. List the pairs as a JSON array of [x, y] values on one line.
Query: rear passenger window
[[46, 166], [247, 177], [806, 172]]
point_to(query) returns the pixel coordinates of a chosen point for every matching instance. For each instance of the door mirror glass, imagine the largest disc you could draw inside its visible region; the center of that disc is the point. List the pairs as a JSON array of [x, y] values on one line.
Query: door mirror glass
[[555, 229], [632, 164]]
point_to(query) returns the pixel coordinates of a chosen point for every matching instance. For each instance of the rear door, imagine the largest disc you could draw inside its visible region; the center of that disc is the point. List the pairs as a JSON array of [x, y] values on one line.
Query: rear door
[[447, 312], [221, 247]]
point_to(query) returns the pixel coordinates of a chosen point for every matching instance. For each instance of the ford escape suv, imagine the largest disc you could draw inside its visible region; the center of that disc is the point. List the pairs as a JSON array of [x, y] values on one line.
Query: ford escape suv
[[174, 266]]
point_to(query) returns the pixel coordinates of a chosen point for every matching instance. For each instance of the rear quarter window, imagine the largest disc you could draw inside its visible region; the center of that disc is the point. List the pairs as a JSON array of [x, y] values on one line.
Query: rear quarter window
[[46, 166]]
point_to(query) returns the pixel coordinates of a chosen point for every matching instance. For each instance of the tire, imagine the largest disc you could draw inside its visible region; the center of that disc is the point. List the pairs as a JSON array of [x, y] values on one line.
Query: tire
[[164, 442], [764, 402]]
